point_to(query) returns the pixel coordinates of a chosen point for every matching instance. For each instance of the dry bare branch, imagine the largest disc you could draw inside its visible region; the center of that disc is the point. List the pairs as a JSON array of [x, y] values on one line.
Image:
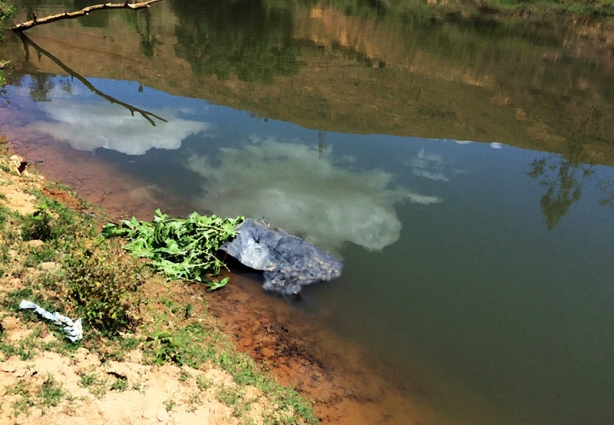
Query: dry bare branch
[[149, 116], [85, 11]]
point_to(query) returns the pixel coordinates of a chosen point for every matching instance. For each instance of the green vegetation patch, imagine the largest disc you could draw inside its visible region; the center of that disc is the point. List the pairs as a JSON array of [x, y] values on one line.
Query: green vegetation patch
[[103, 287], [64, 265], [57, 258], [6, 12], [49, 394], [175, 339], [179, 248]]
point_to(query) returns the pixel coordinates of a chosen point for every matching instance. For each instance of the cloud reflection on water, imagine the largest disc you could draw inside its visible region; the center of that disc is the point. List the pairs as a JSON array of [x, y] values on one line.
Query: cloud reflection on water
[[428, 166], [99, 124], [305, 192]]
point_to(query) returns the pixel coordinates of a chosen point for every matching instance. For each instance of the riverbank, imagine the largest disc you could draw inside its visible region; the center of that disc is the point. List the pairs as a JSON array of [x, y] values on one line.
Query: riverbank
[[342, 378], [149, 345]]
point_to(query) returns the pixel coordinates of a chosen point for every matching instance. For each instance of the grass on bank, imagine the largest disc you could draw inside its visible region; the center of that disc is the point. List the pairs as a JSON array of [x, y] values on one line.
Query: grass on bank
[[55, 256], [578, 8], [588, 9]]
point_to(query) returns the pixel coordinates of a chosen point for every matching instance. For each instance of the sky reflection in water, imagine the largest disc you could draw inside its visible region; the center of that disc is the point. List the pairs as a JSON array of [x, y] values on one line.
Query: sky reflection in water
[[469, 263], [324, 197], [88, 122]]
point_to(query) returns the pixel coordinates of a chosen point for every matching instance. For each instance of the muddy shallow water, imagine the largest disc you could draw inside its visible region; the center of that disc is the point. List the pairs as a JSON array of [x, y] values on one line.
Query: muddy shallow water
[[462, 169]]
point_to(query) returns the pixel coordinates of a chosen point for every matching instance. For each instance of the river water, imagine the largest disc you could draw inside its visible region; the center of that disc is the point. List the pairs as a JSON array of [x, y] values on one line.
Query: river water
[[460, 166]]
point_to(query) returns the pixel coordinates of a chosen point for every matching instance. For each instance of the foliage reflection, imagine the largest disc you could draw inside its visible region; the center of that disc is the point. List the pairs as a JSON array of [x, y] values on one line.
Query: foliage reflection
[[241, 39]]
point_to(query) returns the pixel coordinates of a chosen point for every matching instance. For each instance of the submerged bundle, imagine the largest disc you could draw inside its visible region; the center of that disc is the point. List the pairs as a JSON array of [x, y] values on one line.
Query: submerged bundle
[[288, 262]]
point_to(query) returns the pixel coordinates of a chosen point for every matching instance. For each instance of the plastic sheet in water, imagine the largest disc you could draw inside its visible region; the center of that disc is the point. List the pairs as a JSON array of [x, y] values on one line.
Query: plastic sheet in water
[[74, 330], [287, 261]]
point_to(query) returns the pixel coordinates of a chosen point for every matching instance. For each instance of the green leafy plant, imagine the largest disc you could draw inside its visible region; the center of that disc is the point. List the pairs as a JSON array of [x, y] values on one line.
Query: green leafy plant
[[120, 384], [38, 225], [179, 248], [103, 289], [50, 393], [170, 404]]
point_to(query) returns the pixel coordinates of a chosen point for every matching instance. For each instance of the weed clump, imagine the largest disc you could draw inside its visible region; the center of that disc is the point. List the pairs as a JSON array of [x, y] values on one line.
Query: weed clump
[[103, 288], [38, 225]]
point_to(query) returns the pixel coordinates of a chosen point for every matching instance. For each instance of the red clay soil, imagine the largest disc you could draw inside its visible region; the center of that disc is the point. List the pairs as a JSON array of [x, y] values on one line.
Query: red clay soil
[[344, 380]]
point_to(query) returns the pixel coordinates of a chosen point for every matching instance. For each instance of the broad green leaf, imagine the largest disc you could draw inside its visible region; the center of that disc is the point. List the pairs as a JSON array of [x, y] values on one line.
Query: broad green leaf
[[213, 286]]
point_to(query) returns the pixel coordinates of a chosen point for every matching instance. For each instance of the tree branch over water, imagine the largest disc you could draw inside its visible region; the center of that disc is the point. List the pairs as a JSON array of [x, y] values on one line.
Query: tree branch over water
[[145, 114], [83, 12]]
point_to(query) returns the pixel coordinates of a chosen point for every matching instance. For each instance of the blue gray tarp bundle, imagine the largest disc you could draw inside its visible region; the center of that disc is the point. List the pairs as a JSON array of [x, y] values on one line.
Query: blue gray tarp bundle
[[74, 330], [287, 261]]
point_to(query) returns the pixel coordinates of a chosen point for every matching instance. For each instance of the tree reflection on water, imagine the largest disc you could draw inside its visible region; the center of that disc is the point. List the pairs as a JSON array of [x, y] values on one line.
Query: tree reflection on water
[[564, 180], [565, 176], [242, 39]]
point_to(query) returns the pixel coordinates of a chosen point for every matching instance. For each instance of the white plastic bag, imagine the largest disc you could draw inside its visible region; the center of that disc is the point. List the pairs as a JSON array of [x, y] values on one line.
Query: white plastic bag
[[74, 330]]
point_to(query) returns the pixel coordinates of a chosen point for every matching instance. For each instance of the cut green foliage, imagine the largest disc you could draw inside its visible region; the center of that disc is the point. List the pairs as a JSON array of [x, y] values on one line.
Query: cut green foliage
[[179, 248]]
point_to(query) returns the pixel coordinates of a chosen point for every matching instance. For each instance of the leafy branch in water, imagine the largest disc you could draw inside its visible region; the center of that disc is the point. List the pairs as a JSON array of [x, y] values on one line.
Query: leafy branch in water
[[179, 248]]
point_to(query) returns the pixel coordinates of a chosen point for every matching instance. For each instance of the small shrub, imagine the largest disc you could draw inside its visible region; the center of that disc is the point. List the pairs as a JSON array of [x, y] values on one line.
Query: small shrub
[[103, 289], [37, 225]]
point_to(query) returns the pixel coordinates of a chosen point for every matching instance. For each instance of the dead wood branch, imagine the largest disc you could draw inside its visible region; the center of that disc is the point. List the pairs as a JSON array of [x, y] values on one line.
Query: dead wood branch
[[149, 116], [85, 11]]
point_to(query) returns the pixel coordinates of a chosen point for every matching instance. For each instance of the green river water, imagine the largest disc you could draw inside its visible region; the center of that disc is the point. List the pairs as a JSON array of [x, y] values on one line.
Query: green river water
[[461, 168]]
